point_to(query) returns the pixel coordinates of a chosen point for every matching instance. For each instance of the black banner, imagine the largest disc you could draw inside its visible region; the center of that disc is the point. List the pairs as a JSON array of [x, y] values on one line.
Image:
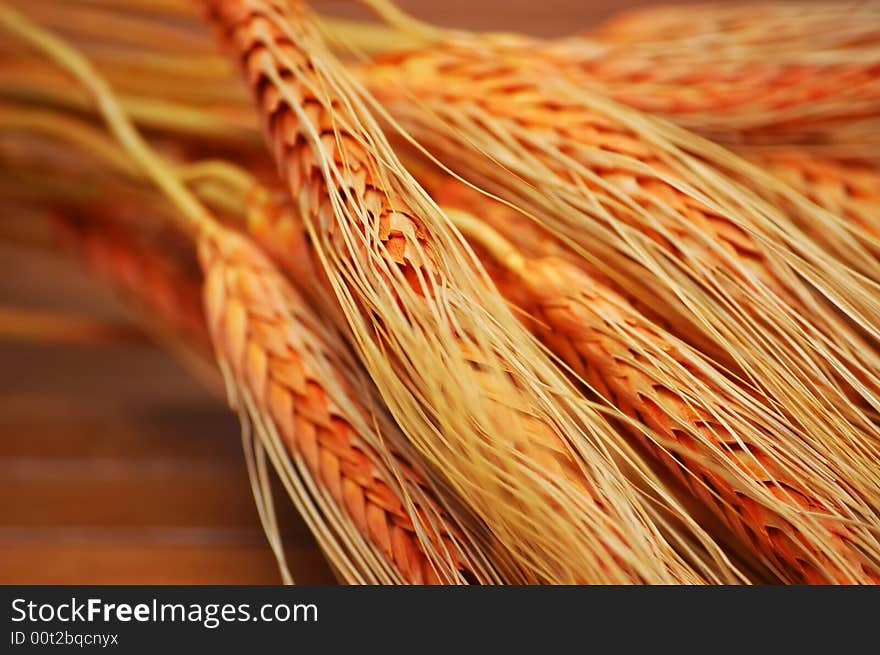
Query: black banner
[[405, 619]]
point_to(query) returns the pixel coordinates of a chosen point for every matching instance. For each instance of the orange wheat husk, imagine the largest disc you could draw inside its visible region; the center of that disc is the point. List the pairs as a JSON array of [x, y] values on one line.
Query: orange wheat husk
[[779, 496], [799, 323], [799, 72], [765, 101], [286, 366], [770, 26], [446, 354], [848, 189], [806, 182]]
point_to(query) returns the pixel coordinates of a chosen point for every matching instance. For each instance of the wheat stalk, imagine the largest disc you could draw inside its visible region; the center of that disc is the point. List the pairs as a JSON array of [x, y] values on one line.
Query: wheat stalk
[[599, 173], [289, 379], [845, 189], [455, 369], [167, 295], [345, 193], [741, 460], [777, 73]]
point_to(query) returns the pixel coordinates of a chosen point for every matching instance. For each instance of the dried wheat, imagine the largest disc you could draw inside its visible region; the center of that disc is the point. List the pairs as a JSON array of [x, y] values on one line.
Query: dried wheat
[[430, 332], [294, 387], [742, 461], [850, 190], [608, 178], [285, 365]]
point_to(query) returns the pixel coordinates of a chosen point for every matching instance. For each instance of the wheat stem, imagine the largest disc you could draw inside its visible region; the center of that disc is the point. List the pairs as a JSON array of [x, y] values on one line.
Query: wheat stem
[[377, 522], [69, 59]]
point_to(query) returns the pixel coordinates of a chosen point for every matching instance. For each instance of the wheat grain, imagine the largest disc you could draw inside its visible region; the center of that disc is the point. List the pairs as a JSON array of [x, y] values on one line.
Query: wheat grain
[[607, 177], [125, 258], [429, 331], [850, 190], [291, 376], [746, 464], [293, 387]]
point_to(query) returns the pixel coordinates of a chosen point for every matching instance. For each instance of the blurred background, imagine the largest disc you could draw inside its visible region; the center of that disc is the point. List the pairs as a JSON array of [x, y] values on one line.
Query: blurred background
[[116, 465]]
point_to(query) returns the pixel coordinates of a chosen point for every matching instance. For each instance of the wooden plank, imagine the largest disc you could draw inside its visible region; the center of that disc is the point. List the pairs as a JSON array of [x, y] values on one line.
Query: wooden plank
[[145, 563], [57, 496]]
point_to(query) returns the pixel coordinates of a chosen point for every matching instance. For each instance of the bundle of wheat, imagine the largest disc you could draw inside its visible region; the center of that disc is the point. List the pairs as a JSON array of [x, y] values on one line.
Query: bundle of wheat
[[311, 412], [609, 179], [373, 514], [611, 351], [746, 463], [407, 287]]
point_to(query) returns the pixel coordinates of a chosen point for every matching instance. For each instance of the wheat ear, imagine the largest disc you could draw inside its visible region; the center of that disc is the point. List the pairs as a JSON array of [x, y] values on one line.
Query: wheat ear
[[605, 176], [773, 26], [162, 283], [774, 74], [289, 381], [849, 190], [746, 464], [461, 378]]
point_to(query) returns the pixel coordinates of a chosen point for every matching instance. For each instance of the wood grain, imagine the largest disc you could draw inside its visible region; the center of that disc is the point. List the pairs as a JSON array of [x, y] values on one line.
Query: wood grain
[[116, 466]]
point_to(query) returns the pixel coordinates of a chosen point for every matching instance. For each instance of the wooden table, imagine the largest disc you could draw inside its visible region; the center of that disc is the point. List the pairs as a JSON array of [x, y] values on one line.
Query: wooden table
[[116, 466]]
